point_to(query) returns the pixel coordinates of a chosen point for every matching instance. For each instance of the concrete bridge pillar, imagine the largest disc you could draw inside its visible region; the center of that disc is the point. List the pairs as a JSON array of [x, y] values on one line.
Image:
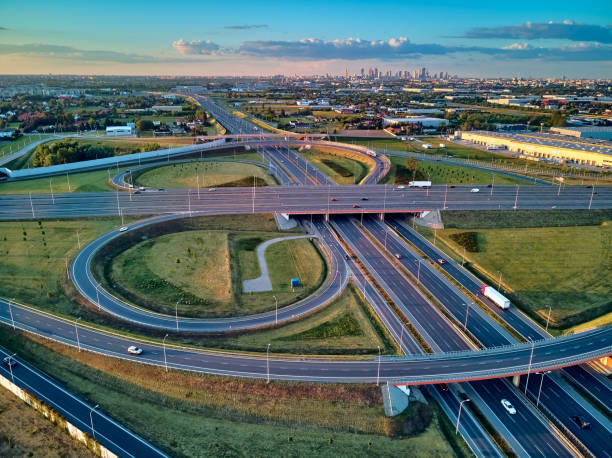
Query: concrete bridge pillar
[[326, 216], [516, 380], [381, 216]]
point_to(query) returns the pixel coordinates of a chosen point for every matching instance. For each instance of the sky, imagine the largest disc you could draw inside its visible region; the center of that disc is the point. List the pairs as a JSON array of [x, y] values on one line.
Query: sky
[[487, 38]]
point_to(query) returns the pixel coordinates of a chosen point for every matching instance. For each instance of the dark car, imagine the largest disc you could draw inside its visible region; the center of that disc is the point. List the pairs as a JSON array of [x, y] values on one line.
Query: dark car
[[580, 421], [9, 361], [364, 198], [452, 186], [355, 206], [443, 386], [489, 186], [136, 192]]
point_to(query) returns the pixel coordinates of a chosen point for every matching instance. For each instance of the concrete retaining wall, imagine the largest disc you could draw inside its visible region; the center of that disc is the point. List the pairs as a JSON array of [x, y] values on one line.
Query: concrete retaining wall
[[54, 417]]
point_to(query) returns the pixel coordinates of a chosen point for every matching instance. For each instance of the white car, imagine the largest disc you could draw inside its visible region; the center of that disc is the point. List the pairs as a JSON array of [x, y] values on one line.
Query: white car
[[474, 190], [123, 229], [509, 407], [134, 350], [212, 190], [401, 186]]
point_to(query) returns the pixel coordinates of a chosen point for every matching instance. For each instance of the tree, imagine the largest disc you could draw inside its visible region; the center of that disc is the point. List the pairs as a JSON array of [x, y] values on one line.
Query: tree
[[413, 166], [144, 124], [557, 119]]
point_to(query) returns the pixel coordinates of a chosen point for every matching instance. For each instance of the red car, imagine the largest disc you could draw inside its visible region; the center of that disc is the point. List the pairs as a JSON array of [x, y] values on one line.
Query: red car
[[333, 199], [355, 206]]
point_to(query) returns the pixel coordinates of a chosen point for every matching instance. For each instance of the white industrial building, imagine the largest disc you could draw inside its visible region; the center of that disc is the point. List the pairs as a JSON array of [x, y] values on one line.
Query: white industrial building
[[130, 129], [423, 120]]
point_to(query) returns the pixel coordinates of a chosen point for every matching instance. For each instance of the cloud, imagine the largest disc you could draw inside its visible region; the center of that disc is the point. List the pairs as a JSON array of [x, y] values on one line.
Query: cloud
[[402, 48], [349, 49], [568, 30], [247, 26], [196, 47], [69, 52]]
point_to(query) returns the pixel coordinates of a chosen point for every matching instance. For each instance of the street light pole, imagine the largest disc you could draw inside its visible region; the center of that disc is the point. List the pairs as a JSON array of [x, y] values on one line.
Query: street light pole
[[529, 368], [467, 309], [11, 312], [459, 415], [176, 314], [499, 282], [93, 432], [419, 272], [268, 364], [540, 390], [276, 313], [548, 319], [10, 365], [76, 330], [164, 345], [378, 372]]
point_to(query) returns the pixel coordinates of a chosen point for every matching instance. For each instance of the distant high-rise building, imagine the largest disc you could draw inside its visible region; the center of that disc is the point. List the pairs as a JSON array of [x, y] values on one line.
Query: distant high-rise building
[[362, 72]]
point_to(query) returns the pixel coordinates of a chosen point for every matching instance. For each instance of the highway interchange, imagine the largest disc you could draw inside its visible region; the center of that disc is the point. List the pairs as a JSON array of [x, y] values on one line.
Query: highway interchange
[[308, 193]]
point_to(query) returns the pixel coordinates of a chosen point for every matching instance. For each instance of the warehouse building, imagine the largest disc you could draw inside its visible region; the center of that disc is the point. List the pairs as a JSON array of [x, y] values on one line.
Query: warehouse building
[[130, 129], [600, 132], [560, 149]]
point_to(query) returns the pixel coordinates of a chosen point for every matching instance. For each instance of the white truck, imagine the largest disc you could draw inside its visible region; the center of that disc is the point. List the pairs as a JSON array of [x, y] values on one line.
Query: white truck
[[499, 299], [419, 184]]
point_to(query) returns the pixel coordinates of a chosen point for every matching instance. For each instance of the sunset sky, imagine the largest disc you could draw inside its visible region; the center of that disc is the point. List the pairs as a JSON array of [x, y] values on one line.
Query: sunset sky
[[489, 38]]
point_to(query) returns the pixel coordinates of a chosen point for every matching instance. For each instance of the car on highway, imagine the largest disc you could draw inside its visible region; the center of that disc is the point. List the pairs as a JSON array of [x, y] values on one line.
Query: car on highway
[[580, 421], [355, 206], [123, 229], [137, 192], [508, 406], [134, 350], [398, 256], [443, 386], [333, 199], [401, 186], [474, 190], [212, 190], [9, 361], [364, 198], [441, 261]]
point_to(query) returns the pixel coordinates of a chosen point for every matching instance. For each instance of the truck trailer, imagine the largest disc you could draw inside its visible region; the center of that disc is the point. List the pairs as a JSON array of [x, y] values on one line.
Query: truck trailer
[[499, 299], [419, 184]]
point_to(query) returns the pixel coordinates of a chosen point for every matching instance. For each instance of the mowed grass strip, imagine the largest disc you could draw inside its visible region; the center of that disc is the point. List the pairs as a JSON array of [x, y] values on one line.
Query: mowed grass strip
[[341, 169], [96, 181], [189, 267], [200, 415], [566, 268], [209, 174]]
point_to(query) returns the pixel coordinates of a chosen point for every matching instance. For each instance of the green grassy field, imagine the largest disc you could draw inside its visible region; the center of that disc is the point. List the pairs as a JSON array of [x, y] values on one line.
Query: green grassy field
[[25, 432], [204, 267], [96, 181], [566, 268], [445, 174], [6, 147], [341, 169], [208, 415], [209, 174]]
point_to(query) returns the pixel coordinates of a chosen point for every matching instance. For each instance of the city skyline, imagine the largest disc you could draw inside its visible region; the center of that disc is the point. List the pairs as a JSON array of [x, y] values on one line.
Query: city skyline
[[483, 40]]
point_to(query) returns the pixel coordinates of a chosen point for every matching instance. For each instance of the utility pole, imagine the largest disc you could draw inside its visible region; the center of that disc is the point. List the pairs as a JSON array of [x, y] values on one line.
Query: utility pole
[[540, 390], [176, 314], [276, 314]]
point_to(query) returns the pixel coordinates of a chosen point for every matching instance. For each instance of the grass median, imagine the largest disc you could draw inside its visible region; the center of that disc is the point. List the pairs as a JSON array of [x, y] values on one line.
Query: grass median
[[341, 169]]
